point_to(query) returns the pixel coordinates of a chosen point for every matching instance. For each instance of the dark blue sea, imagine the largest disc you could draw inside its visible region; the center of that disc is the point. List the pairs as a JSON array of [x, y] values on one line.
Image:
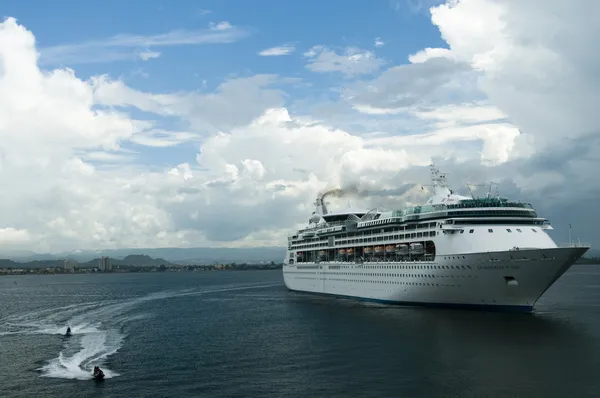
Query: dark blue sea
[[242, 334]]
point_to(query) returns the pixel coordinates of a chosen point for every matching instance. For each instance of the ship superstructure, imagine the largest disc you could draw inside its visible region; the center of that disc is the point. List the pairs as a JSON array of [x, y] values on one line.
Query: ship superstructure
[[453, 251]]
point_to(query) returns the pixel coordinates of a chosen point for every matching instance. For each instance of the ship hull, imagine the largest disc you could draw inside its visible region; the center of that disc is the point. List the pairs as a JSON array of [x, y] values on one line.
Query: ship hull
[[502, 280]]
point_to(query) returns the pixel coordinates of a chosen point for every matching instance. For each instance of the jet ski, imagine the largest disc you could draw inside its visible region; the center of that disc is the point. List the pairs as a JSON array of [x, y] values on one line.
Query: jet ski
[[68, 334], [98, 373]]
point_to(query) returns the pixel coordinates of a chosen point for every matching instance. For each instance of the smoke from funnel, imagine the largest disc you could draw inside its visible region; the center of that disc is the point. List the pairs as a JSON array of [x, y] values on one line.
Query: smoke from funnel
[[355, 191], [340, 192]]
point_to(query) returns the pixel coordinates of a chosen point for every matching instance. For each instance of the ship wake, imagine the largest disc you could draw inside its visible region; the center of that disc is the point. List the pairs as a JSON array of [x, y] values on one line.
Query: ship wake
[[98, 330]]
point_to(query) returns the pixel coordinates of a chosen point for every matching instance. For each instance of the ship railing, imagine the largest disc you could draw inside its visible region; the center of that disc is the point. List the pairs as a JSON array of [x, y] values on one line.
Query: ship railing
[[322, 226]]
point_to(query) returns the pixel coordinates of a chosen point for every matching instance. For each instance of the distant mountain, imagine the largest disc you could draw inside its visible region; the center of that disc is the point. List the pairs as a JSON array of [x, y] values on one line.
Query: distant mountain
[[136, 260], [6, 263], [196, 255]]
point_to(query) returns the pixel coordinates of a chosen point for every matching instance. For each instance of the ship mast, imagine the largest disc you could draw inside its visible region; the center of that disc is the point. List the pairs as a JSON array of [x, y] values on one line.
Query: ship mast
[[439, 182]]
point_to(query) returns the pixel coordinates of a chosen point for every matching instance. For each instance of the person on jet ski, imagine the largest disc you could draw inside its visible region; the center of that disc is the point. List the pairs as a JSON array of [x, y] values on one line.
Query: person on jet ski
[[68, 331]]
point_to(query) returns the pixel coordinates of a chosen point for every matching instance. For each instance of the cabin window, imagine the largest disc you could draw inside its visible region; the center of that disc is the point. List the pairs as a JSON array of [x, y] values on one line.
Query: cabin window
[[508, 229], [490, 230], [518, 230], [471, 231], [534, 230]]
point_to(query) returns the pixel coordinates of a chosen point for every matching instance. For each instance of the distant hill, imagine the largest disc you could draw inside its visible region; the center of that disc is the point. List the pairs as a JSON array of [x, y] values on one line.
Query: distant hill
[[135, 260], [6, 263], [132, 260], [196, 255]]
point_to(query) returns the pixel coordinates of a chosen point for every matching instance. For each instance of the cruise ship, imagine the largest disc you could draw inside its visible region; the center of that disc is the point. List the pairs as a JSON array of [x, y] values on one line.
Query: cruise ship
[[453, 251]]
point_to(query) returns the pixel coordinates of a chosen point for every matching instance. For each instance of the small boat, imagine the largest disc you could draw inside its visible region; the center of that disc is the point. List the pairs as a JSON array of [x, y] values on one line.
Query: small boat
[[68, 334]]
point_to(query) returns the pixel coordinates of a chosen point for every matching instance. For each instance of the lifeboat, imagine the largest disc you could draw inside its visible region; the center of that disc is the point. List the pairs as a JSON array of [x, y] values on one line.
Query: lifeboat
[[416, 249], [378, 249], [368, 250], [350, 251], [402, 249], [389, 249], [342, 252], [322, 254]]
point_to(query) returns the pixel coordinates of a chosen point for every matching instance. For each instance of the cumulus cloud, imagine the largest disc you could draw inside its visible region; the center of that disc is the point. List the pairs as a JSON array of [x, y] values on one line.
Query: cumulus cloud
[[351, 62], [429, 53], [52, 134]]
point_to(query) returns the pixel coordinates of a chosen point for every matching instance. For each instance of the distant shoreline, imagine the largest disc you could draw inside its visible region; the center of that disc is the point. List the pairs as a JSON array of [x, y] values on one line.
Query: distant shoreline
[[128, 269]]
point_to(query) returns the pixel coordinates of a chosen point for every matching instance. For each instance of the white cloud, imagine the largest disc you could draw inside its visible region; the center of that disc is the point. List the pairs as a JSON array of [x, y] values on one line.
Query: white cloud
[[105, 156], [204, 12], [183, 170], [429, 53], [379, 42], [235, 102], [223, 25], [146, 55], [543, 84], [277, 51], [123, 46], [461, 114], [163, 139], [370, 110], [352, 62], [437, 80], [13, 237]]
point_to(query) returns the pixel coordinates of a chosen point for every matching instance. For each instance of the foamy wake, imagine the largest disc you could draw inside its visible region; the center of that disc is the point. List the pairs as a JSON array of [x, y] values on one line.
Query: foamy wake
[[96, 327]]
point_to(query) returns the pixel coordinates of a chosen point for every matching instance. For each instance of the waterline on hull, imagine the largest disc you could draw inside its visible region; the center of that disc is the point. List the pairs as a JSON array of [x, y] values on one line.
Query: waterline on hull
[[525, 309]]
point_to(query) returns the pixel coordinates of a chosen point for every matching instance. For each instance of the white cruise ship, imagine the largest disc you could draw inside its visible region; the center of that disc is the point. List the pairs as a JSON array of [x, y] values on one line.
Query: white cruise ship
[[453, 251]]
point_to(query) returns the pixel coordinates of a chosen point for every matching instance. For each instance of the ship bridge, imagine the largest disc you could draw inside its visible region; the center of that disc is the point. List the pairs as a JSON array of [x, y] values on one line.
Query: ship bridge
[[343, 214]]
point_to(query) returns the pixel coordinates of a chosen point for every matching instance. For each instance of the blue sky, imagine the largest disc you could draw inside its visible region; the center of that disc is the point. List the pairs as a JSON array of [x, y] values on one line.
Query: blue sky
[[336, 23]]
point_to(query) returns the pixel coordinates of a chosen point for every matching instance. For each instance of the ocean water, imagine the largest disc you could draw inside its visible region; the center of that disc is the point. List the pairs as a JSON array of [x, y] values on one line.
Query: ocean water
[[242, 334]]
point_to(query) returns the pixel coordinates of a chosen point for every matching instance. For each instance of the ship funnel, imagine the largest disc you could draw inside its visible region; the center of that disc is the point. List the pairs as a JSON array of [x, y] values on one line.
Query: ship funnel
[[321, 209]]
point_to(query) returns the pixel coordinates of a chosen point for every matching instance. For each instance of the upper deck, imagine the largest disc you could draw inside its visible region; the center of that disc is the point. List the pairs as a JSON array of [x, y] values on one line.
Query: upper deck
[[444, 204]]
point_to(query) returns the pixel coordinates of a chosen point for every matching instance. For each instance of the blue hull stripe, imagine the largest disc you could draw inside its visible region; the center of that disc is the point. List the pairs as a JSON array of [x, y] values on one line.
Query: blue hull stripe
[[479, 307]]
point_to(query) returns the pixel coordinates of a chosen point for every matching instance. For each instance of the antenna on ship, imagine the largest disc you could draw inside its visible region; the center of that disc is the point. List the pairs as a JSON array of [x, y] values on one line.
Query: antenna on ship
[[470, 190], [438, 182]]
